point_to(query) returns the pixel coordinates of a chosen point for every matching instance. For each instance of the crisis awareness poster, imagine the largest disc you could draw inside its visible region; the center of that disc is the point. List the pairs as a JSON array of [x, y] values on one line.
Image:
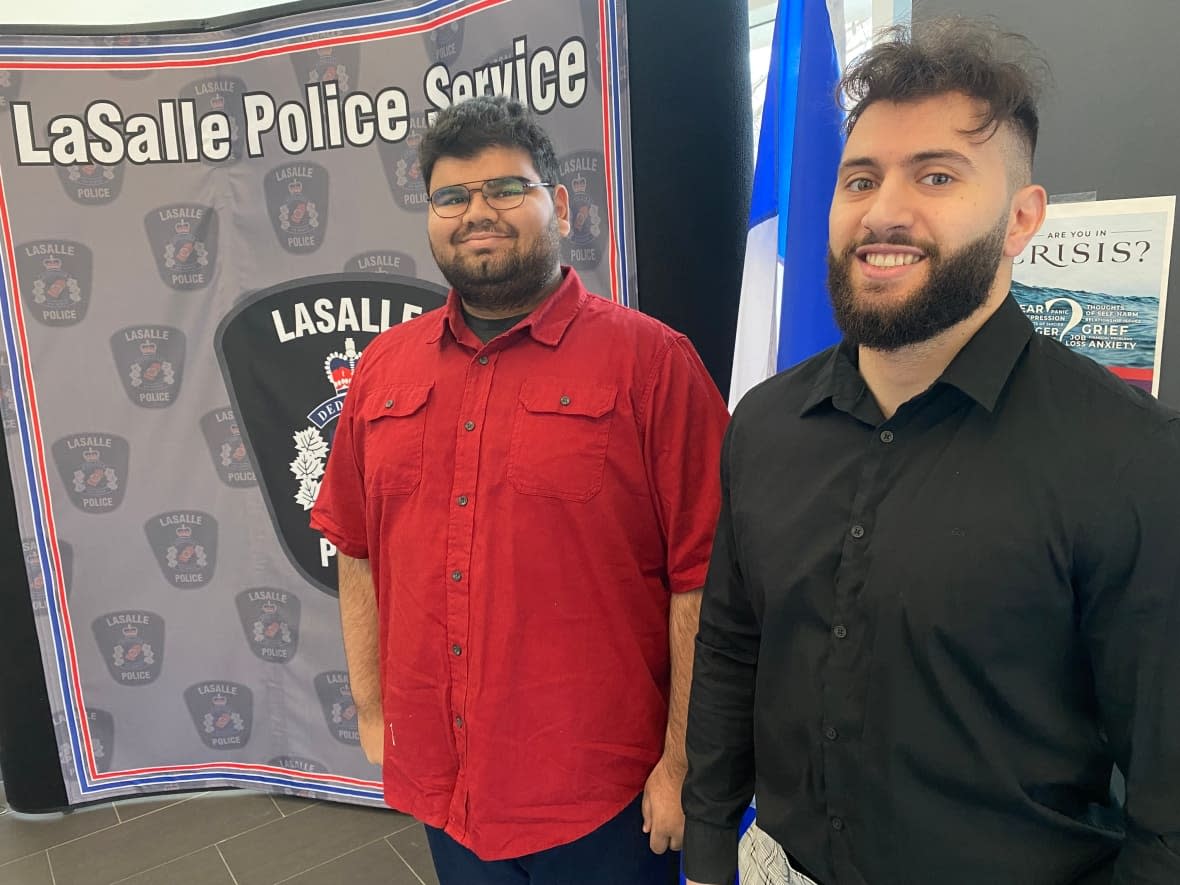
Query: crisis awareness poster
[[1096, 278], [201, 234]]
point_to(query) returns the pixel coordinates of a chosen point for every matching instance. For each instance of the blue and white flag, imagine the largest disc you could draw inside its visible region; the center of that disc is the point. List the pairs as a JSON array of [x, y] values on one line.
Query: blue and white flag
[[785, 315]]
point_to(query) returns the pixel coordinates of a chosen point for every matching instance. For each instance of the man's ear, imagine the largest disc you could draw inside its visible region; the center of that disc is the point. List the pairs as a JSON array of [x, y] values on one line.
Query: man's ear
[[1025, 217], [561, 208]]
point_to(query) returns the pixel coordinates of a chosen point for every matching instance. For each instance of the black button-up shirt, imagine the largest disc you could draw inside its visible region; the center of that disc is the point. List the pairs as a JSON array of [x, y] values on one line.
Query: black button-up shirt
[[925, 641]]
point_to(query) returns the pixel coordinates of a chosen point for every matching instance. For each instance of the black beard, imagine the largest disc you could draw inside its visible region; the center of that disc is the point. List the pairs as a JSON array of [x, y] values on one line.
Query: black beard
[[504, 283], [957, 286]]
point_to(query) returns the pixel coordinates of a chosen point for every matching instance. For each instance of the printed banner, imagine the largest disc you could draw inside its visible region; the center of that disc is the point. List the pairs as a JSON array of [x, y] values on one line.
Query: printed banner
[[202, 232], [1096, 278]]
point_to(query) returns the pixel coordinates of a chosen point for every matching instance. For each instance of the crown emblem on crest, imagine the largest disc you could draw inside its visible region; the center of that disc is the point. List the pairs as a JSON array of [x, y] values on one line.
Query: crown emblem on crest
[[90, 456], [233, 429], [345, 691], [130, 630], [579, 183], [220, 700], [217, 102], [339, 366], [52, 263], [295, 186], [324, 51], [184, 531], [182, 226], [147, 348], [269, 607]]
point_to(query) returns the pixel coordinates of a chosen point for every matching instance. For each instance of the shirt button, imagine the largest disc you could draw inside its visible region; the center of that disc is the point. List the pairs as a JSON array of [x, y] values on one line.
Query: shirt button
[[886, 436], [840, 631], [858, 531], [470, 425], [461, 500], [483, 360], [456, 576], [389, 404], [565, 400], [457, 649], [830, 733], [837, 824], [458, 722]]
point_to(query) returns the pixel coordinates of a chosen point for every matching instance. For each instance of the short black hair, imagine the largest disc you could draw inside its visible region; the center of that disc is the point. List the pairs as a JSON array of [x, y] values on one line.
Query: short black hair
[[953, 54], [472, 126]]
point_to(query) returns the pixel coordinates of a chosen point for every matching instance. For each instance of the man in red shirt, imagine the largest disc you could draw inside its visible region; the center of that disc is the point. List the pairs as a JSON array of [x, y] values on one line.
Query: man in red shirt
[[523, 489]]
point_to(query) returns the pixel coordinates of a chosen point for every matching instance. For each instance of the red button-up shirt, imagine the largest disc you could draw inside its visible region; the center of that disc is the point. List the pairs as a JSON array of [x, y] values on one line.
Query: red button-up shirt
[[527, 506]]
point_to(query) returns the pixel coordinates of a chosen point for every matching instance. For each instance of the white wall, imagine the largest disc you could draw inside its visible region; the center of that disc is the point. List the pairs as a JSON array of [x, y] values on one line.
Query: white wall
[[115, 12]]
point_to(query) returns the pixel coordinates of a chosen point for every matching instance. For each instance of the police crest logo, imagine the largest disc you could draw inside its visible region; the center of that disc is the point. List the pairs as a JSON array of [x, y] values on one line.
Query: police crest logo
[[185, 545], [583, 174], [132, 644], [402, 170], [270, 618], [9, 88], [381, 261], [304, 338], [445, 42], [55, 280], [326, 64], [183, 240], [233, 465], [335, 696], [101, 726], [297, 202], [222, 712], [94, 468], [92, 184], [224, 95], [150, 361], [37, 583]]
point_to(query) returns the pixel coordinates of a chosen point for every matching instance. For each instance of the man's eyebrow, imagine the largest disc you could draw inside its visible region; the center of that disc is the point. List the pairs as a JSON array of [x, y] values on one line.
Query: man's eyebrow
[[945, 154]]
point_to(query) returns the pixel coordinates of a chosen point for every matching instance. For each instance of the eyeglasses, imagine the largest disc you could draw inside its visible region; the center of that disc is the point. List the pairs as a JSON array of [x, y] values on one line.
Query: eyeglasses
[[506, 192]]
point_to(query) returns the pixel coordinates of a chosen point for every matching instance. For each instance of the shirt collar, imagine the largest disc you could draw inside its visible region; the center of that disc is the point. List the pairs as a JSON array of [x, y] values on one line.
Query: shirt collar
[[546, 324], [980, 369]]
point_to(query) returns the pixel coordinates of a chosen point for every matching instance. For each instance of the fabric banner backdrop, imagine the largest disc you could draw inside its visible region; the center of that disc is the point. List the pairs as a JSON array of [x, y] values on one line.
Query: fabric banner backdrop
[[201, 234]]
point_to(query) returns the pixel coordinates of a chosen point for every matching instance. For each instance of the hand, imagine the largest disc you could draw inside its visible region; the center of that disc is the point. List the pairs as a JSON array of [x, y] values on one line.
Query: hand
[[663, 817], [372, 732]]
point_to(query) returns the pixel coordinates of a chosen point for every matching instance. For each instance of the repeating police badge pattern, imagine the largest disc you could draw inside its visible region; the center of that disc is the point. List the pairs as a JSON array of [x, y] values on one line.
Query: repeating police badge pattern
[[186, 334], [150, 361], [92, 184], [183, 241], [37, 585], [223, 436], [132, 645], [297, 201], [403, 171], [101, 726], [185, 545], [584, 175], [224, 95], [223, 713], [55, 279], [335, 696], [94, 468], [329, 63], [270, 618]]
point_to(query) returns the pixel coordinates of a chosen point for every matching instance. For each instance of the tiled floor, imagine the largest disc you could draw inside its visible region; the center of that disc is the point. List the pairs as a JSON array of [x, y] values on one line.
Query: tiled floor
[[226, 837]]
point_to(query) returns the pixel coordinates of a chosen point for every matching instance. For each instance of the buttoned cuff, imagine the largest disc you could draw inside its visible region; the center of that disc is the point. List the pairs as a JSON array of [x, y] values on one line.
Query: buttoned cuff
[[710, 853]]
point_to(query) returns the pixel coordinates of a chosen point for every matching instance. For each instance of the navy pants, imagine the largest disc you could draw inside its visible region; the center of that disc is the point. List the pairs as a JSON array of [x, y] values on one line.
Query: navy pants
[[617, 853]]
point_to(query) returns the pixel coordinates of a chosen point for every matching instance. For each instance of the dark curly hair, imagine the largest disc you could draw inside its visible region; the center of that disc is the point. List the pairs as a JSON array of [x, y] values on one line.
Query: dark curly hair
[[953, 54], [469, 127]]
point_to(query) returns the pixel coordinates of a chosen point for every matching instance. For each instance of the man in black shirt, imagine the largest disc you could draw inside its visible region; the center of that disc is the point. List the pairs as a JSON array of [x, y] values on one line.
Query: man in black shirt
[[944, 599]]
